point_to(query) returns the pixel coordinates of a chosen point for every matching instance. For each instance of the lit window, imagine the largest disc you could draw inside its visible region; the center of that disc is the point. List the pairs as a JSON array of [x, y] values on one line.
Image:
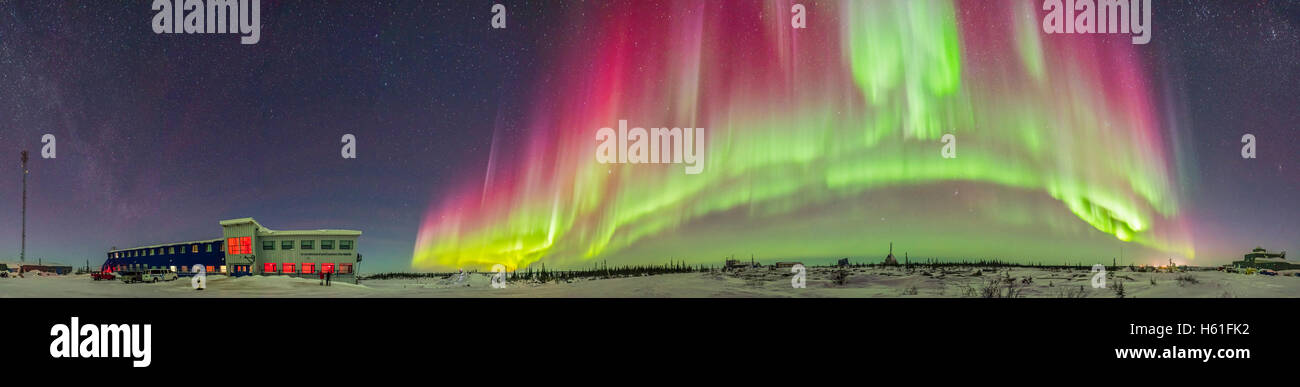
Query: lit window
[[194, 248], [240, 245], [172, 268], [289, 268], [185, 269], [223, 268], [327, 245], [209, 248], [345, 245], [286, 245], [308, 268], [211, 269], [307, 244], [345, 268], [268, 267], [327, 268], [268, 245]]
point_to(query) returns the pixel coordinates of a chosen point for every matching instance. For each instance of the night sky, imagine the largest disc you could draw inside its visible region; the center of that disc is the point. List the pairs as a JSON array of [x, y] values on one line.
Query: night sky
[[162, 136]]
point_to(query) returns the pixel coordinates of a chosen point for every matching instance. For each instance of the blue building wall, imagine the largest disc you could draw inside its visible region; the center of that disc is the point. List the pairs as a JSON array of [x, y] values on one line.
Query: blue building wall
[[210, 253]]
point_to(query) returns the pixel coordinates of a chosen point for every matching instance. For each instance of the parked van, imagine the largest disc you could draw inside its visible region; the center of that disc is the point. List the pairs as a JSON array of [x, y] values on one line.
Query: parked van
[[155, 275]]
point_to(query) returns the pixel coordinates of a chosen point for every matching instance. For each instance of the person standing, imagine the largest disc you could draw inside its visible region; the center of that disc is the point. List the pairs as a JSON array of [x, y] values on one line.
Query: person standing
[[322, 277], [329, 276]]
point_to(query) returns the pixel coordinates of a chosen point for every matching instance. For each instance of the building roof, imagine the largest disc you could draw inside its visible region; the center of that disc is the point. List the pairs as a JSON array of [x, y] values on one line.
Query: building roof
[[262, 230], [231, 222], [268, 232], [166, 245]]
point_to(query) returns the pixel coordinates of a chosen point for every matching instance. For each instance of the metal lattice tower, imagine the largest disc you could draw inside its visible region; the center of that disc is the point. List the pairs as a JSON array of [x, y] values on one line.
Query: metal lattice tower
[[22, 254]]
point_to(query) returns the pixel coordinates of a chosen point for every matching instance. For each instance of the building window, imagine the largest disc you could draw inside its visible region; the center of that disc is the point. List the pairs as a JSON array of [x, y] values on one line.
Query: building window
[[345, 268], [345, 245], [308, 268], [289, 268], [327, 268], [240, 245], [209, 247], [185, 269], [327, 245], [268, 245], [194, 248], [223, 268], [180, 250], [211, 269], [286, 245], [307, 244], [268, 267]]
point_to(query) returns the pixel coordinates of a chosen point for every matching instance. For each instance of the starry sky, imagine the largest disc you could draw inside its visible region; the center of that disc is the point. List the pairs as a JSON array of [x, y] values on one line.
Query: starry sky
[[474, 144]]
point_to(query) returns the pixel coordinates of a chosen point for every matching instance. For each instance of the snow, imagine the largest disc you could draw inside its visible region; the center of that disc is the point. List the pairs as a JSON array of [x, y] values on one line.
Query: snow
[[861, 282]]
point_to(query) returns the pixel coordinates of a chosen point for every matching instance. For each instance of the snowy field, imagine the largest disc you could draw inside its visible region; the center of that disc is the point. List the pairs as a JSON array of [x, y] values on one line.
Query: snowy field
[[821, 282]]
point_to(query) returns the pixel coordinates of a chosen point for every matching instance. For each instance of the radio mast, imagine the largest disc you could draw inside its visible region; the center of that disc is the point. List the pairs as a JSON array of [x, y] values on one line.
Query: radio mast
[[22, 254]]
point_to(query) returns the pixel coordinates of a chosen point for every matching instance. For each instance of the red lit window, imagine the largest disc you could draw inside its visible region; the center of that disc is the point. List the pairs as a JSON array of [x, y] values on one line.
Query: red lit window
[[268, 267], [327, 267], [289, 267], [211, 269], [308, 268], [241, 245], [345, 268]]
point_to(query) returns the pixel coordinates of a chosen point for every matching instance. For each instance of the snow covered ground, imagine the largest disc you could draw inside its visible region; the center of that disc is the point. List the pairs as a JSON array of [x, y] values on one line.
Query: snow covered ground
[[859, 282]]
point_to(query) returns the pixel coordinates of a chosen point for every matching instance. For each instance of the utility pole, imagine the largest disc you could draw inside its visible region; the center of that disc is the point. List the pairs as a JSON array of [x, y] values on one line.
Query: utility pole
[[22, 254]]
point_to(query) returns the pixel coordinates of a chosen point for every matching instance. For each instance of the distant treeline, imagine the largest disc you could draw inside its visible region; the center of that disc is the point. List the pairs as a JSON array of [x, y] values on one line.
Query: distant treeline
[[386, 276], [602, 270], [542, 274]]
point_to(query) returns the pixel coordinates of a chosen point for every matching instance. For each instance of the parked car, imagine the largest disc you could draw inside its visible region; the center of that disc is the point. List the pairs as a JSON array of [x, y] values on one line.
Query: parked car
[[130, 276], [155, 275], [104, 275]]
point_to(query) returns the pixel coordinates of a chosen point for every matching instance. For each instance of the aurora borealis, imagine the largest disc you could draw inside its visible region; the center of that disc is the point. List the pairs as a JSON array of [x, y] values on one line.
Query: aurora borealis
[[814, 118], [477, 145]]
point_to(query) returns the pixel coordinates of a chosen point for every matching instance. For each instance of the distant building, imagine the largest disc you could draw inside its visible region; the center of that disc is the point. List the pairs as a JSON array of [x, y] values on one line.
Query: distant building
[[785, 265], [56, 269], [1262, 259], [843, 262]]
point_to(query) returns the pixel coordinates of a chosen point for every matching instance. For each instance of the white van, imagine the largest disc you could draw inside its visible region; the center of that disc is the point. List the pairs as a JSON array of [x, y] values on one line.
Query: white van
[[155, 275]]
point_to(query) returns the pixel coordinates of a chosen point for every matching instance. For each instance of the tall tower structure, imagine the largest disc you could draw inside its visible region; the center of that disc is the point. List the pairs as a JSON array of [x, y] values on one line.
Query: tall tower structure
[[22, 254]]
